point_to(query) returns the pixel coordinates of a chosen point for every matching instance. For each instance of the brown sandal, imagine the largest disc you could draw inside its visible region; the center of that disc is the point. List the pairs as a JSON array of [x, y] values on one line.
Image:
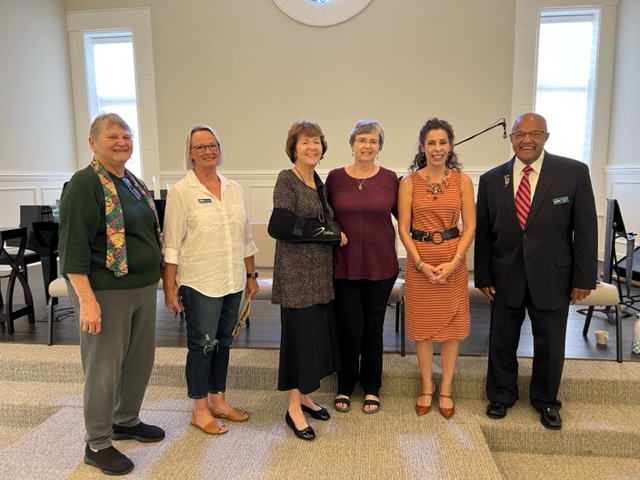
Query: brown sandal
[[214, 427], [235, 415]]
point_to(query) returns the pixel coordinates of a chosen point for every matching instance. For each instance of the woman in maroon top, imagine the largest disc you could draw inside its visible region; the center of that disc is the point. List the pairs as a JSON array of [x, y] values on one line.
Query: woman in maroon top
[[363, 196]]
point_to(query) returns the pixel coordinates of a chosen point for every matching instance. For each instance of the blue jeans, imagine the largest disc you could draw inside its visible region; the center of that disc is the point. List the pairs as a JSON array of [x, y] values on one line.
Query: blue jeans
[[210, 322]]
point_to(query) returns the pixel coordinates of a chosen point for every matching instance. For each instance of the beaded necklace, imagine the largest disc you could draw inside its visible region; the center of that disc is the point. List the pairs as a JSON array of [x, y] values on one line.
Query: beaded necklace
[[438, 188]]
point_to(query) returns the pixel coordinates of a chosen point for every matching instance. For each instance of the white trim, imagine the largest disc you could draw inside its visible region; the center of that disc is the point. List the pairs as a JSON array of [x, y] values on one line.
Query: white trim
[[321, 14], [137, 20], [524, 72], [622, 170]]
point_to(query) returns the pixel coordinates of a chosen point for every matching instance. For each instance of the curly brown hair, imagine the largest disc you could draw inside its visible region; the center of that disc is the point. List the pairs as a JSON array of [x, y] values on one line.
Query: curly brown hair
[[420, 160]]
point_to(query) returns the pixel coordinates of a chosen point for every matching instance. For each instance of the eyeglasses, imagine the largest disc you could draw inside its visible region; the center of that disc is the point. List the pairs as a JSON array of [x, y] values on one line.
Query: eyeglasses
[[214, 147], [133, 189], [535, 135], [364, 141]]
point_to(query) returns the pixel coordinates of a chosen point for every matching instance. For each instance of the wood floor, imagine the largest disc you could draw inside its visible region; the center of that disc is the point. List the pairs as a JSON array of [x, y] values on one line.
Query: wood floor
[[264, 330]]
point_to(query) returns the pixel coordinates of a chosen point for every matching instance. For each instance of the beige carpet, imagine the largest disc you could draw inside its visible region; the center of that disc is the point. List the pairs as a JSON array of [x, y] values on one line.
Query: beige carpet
[[41, 427]]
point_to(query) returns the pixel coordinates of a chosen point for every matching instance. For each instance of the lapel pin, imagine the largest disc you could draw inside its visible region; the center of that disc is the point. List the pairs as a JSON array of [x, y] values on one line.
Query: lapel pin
[[506, 180]]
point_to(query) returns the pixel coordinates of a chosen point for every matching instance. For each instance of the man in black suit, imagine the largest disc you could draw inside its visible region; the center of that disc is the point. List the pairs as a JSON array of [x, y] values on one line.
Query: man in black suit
[[539, 267]]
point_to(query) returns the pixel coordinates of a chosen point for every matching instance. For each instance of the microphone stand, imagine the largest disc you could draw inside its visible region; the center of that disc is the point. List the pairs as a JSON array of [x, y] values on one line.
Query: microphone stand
[[498, 123]]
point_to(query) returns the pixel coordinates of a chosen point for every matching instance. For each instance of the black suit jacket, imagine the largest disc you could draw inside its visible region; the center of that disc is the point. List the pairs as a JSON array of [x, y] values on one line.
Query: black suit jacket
[[556, 251]]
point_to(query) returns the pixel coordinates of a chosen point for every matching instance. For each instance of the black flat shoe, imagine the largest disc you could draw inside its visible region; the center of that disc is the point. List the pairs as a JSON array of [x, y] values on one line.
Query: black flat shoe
[[141, 432], [109, 460], [498, 409], [304, 434], [321, 414], [550, 418]]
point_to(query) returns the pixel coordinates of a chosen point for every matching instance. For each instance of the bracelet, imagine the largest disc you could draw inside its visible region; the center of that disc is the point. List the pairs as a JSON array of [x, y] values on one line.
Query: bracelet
[[459, 257], [418, 265]]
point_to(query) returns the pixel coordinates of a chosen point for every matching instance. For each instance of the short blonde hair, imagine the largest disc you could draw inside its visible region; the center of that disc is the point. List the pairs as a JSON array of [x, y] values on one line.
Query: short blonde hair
[[189, 162]]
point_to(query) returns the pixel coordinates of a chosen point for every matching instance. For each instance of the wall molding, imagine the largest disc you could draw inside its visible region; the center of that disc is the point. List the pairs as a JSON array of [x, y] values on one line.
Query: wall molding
[[622, 170], [44, 188]]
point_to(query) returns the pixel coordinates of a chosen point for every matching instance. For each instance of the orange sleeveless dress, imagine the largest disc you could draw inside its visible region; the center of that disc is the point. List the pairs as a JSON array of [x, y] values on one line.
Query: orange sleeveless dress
[[436, 312]]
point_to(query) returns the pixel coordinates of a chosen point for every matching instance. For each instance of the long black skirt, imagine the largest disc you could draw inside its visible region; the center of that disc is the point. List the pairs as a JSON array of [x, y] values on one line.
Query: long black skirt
[[308, 347]]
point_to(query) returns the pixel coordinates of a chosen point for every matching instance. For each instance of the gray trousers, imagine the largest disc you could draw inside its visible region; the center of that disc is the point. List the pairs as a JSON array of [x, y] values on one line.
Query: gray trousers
[[117, 362]]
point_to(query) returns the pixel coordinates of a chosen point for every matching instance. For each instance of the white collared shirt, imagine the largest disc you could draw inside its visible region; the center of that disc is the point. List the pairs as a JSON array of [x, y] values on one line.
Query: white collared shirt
[[208, 238], [518, 167]]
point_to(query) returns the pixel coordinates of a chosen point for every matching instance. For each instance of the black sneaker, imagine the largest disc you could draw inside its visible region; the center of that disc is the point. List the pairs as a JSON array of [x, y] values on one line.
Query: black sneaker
[[141, 432], [109, 460]]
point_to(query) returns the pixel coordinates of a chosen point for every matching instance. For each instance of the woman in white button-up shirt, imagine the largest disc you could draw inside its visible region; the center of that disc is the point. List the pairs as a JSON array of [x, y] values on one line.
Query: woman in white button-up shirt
[[209, 264]]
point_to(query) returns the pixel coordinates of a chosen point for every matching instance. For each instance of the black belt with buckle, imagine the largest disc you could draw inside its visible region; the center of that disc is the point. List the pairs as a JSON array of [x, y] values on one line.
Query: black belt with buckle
[[435, 237]]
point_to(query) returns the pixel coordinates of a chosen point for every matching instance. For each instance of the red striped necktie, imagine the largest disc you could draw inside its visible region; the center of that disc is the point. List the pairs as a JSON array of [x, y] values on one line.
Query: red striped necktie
[[523, 197]]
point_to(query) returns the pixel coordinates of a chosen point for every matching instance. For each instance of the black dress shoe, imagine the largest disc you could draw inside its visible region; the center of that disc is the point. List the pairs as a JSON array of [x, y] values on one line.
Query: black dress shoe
[[321, 414], [550, 418], [304, 434], [498, 409], [109, 460]]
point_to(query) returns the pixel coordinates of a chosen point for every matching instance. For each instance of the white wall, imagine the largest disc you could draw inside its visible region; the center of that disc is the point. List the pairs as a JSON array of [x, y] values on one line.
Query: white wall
[[36, 119], [250, 71], [623, 171]]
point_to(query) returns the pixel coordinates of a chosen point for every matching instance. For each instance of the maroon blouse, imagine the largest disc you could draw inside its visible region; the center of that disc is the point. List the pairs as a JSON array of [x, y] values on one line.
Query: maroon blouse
[[365, 217]]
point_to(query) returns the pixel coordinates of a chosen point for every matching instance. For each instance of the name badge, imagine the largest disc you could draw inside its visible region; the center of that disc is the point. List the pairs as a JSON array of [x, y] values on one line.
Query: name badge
[[208, 200], [560, 200]]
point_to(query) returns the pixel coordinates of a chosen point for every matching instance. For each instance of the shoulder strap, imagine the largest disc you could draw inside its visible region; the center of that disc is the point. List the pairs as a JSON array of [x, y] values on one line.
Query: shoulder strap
[[320, 190]]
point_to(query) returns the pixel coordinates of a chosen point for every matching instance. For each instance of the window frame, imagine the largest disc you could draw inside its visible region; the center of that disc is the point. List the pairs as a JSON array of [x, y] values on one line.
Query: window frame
[[524, 77], [138, 21], [563, 16]]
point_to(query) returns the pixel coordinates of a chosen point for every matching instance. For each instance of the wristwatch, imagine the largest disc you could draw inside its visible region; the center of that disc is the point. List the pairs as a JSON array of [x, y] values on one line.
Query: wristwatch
[[252, 275]]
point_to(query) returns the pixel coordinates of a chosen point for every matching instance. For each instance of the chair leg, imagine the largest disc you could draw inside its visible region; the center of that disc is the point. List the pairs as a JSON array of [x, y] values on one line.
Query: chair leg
[[50, 305], [397, 317], [587, 321], [618, 311], [402, 328]]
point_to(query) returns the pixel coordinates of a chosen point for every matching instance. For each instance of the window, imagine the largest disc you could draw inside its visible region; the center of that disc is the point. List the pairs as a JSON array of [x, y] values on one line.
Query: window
[[111, 82], [95, 36], [565, 80], [528, 24]]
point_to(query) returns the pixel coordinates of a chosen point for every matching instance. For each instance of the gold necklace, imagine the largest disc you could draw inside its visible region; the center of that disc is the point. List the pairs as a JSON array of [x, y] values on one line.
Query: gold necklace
[[438, 188]]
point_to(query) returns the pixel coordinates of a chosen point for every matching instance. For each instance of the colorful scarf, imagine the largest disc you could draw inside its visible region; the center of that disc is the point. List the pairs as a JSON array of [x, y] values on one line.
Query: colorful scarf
[[116, 239]]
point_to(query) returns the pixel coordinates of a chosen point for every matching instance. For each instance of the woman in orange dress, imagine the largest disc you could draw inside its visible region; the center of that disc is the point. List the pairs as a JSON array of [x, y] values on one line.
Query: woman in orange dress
[[431, 203]]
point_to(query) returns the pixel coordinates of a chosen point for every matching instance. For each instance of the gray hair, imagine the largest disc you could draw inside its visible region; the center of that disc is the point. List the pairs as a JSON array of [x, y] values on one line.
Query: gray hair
[[366, 126], [189, 162], [105, 121]]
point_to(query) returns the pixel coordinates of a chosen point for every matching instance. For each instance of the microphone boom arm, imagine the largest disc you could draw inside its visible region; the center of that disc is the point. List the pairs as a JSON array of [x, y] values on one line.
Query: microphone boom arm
[[499, 123]]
